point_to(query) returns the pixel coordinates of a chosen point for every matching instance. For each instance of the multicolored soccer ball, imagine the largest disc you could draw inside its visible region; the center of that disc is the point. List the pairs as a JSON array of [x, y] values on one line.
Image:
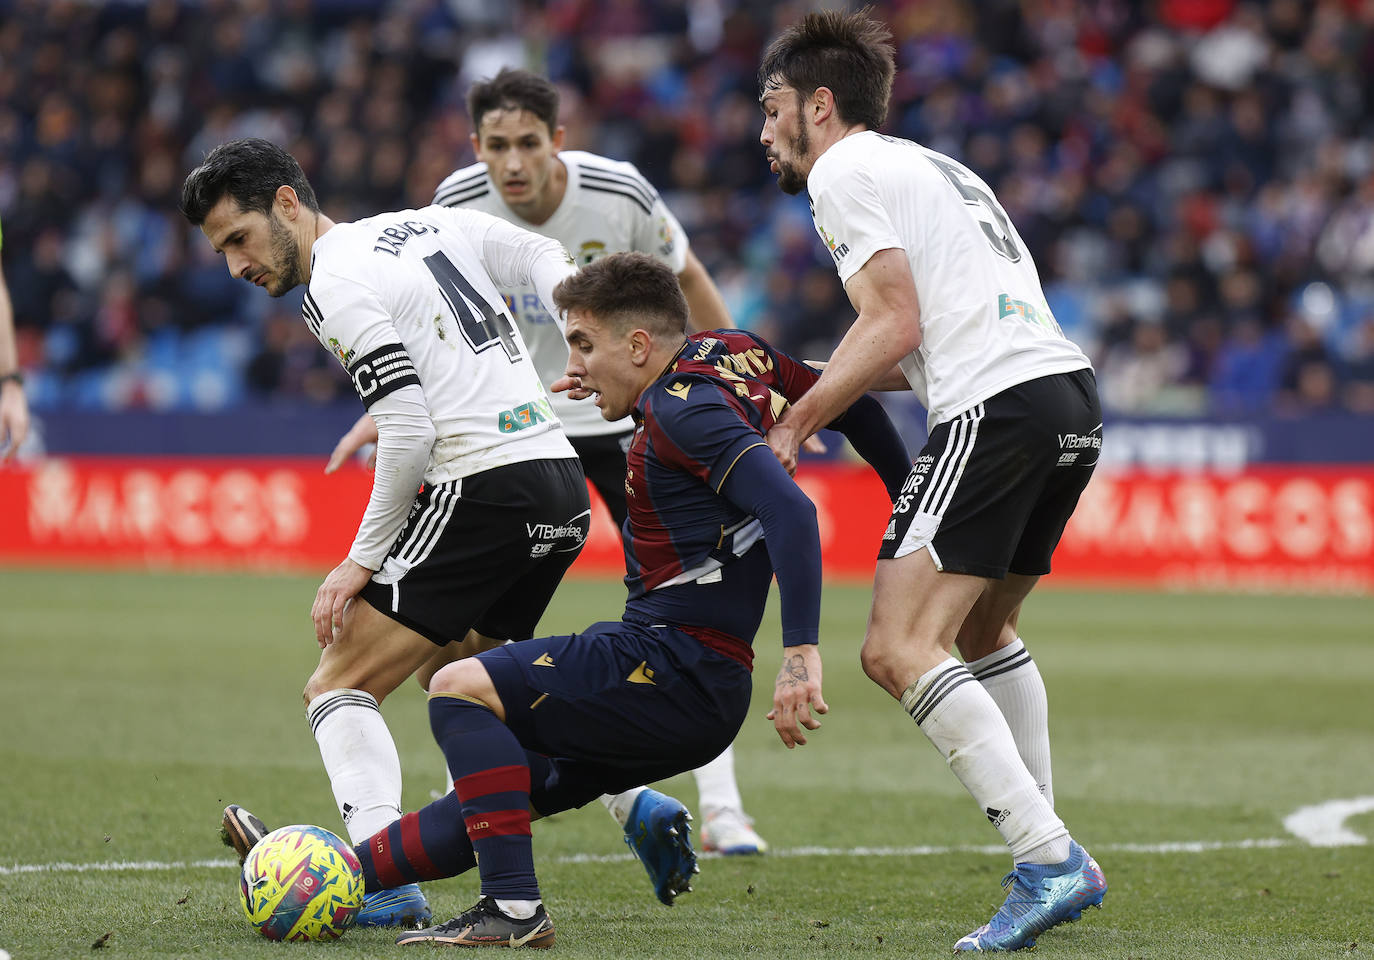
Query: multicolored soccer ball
[[301, 883]]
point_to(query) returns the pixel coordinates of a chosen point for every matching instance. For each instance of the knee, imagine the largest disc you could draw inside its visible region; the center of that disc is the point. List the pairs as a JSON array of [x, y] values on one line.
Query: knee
[[321, 683], [468, 678], [313, 688], [880, 663], [455, 677]]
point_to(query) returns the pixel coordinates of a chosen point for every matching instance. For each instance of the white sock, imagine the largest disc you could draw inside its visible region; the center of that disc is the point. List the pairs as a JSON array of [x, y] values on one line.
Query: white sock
[[360, 758], [963, 722], [716, 786], [1013, 681], [619, 804], [517, 909]]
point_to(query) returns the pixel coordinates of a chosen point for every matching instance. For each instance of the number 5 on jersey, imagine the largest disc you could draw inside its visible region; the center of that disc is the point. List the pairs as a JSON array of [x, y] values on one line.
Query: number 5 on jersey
[[1001, 242]]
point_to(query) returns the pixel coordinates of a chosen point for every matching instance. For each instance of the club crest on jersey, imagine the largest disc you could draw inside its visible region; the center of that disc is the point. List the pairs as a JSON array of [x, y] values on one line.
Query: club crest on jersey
[[345, 354], [589, 251]]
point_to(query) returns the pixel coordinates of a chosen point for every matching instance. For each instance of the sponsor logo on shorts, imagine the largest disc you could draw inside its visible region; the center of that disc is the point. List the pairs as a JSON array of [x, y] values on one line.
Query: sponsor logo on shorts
[[891, 533], [1073, 443], [546, 536], [548, 531]]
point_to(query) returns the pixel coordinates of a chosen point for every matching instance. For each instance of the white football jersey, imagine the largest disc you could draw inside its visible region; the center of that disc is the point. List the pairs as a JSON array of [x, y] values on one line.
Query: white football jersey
[[411, 297], [985, 325], [608, 208]]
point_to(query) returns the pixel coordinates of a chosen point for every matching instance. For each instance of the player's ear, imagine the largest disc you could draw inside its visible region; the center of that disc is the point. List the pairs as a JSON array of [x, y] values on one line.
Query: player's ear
[[558, 134], [641, 345], [822, 104], [286, 201], [476, 146]]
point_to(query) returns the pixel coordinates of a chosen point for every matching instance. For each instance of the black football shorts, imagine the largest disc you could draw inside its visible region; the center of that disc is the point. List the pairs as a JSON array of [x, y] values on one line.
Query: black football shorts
[[485, 552], [995, 485]]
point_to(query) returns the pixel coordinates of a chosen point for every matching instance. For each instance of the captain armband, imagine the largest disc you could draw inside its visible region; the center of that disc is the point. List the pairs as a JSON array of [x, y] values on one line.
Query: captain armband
[[383, 371]]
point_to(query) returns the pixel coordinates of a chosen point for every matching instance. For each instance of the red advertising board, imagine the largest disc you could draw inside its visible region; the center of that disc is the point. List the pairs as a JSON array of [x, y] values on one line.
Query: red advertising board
[[1264, 528]]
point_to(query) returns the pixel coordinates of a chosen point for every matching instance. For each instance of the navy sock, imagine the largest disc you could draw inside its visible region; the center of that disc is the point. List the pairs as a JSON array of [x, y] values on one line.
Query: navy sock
[[491, 781], [428, 845]]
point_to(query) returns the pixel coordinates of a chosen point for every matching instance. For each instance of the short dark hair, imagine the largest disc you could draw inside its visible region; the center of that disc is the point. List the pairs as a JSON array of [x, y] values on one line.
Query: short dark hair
[[250, 170], [852, 54], [625, 291], [513, 89]]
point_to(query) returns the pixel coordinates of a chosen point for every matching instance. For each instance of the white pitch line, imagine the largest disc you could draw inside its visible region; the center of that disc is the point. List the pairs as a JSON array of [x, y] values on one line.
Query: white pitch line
[[1186, 846]]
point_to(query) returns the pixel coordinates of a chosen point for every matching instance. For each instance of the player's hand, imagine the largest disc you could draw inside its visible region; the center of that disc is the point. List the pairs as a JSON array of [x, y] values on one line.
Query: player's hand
[[783, 441], [797, 694], [572, 386], [14, 419], [358, 436], [341, 586]]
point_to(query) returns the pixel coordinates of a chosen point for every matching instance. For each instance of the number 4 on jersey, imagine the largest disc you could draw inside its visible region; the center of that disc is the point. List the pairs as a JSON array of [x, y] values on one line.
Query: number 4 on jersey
[[479, 331]]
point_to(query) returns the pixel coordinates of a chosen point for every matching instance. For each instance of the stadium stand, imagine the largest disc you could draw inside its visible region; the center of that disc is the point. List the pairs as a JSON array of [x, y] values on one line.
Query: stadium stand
[[1195, 180]]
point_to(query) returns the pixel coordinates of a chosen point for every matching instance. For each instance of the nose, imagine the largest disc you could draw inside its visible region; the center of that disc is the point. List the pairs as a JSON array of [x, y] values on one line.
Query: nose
[[238, 265], [766, 135]]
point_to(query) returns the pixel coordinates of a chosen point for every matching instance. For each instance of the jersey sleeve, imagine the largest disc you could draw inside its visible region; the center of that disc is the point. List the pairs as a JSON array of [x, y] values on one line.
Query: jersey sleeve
[[350, 321], [850, 216], [697, 428]]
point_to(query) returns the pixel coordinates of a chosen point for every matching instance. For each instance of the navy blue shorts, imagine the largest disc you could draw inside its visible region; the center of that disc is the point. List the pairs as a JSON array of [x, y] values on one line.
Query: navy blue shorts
[[616, 706]]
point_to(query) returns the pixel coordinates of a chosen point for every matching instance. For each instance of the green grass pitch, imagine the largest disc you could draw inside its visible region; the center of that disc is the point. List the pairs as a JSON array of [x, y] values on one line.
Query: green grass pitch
[[1185, 727]]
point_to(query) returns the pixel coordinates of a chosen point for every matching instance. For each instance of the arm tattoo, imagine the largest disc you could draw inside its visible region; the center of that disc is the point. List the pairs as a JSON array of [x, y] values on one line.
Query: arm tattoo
[[793, 671]]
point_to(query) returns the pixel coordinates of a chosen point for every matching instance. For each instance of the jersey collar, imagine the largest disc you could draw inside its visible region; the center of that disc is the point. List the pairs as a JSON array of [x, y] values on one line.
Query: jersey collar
[[638, 412]]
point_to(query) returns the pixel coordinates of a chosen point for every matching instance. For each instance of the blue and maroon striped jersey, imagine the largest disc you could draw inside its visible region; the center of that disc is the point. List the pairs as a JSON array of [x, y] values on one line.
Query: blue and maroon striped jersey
[[685, 544]]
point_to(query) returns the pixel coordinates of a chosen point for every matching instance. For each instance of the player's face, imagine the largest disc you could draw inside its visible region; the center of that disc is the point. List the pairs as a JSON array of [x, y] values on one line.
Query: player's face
[[785, 137], [258, 248], [521, 155], [603, 361]]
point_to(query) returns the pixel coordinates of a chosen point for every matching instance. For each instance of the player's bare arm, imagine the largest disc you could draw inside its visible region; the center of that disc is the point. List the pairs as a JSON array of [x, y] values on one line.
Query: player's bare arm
[[887, 328], [358, 436], [893, 380], [707, 306], [797, 694]]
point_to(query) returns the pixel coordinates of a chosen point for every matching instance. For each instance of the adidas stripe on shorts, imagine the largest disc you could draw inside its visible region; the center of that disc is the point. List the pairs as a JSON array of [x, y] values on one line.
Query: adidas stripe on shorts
[[994, 486], [485, 552]]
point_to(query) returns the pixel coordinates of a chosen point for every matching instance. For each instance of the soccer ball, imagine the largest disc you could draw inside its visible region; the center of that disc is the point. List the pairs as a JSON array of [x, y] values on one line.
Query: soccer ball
[[301, 883]]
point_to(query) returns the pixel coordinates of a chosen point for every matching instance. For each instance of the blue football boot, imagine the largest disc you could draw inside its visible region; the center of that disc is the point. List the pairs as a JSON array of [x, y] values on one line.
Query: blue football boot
[[403, 906], [1040, 896], [659, 834]]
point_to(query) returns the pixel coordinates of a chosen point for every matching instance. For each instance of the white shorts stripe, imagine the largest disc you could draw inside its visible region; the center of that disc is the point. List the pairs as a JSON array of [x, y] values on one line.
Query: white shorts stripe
[[425, 519], [945, 466], [423, 544], [971, 429]]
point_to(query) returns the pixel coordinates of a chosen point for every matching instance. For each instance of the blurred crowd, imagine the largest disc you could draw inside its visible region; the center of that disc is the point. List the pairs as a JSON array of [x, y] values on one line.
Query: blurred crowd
[[1195, 178]]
